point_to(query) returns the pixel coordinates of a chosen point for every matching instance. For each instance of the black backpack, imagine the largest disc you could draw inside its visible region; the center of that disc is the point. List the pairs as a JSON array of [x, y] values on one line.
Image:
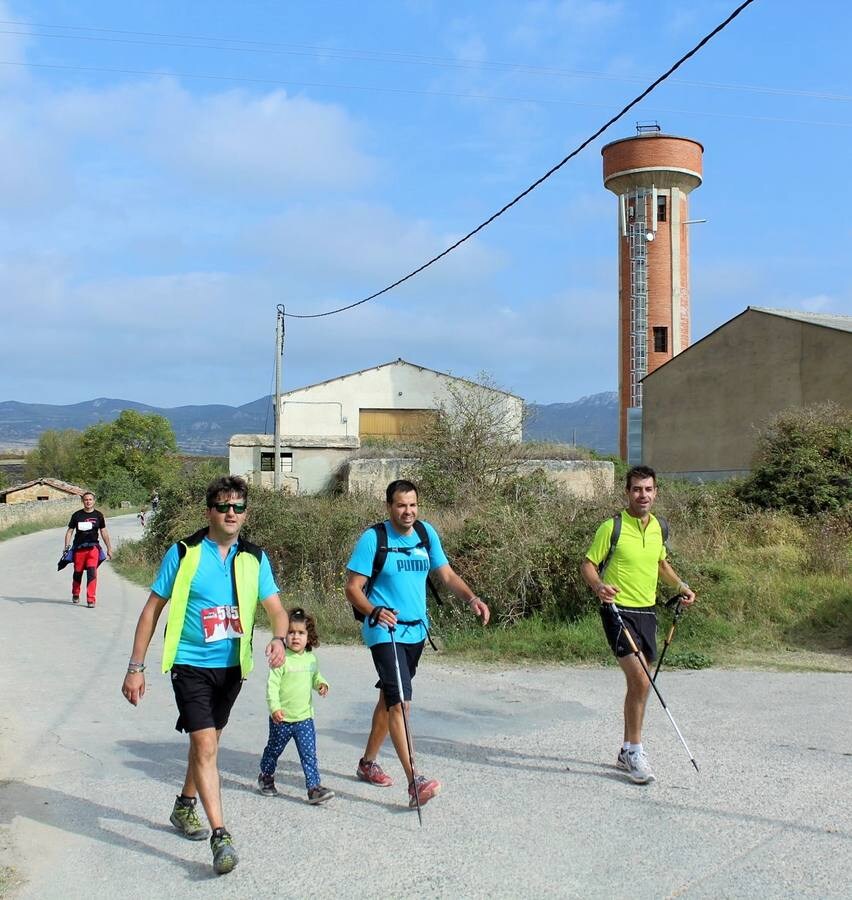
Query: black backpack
[[381, 555], [616, 533]]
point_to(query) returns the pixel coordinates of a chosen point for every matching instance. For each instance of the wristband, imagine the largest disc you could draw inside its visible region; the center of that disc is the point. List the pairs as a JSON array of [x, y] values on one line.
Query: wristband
[[277, 637], [135, 668], [682, 586]]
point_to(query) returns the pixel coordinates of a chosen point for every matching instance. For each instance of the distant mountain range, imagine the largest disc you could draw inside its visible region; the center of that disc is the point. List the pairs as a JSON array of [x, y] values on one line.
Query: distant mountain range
[[591, 421]]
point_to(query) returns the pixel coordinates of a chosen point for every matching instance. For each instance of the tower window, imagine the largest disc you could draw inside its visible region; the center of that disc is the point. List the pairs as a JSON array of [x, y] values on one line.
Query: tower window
[[661, 207], [661, 339]]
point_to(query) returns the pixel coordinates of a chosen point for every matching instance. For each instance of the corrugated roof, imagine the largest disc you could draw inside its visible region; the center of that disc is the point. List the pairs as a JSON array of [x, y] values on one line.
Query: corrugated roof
[[396, 362], [826, 320]]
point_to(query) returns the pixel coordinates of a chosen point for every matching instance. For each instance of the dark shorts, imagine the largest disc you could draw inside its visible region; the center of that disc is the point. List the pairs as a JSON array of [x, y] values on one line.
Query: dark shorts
[[204, 697], [409, 656], [643, 627]]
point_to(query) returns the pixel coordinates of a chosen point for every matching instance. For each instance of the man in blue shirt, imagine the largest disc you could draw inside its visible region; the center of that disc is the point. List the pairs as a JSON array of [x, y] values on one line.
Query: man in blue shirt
[[213, 581], [396, 598]]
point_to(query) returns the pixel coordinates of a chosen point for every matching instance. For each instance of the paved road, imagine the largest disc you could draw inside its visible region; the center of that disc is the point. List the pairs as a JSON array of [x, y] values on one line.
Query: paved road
[[532, 805]]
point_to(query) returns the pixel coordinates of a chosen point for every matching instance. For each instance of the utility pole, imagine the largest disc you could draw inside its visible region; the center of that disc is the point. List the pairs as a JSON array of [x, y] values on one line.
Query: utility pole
[[279, 352]]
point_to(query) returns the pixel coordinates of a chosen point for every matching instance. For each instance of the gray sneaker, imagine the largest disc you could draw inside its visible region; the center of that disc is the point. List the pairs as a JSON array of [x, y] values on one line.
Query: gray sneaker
[[266, 785], [319, 794], [638, 768], [621, 762], [225, 857], [185, 818]]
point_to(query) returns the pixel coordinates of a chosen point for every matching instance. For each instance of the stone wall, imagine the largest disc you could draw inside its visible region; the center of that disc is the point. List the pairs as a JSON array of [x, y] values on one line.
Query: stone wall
[[38, 511], [580, 477]]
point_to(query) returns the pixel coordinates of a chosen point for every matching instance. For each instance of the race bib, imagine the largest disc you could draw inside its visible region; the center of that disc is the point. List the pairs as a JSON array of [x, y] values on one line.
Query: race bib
[[220, 623]]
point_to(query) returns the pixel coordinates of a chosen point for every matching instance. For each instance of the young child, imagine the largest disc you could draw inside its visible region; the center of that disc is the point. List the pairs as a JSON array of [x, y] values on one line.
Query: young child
[[291, 709]]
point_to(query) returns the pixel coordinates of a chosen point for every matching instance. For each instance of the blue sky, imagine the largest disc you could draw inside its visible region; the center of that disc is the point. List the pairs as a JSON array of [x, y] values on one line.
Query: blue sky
[[172, 171]]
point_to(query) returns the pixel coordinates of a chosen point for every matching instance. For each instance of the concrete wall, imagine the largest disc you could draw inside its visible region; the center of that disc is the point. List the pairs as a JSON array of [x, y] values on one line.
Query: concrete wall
[[315, 465], [581, 478], [703, 409], [333, 408], [25, 495], [38, 511]]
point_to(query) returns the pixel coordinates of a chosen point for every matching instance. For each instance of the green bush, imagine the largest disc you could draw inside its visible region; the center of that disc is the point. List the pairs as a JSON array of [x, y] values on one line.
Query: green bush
[[803, 461]]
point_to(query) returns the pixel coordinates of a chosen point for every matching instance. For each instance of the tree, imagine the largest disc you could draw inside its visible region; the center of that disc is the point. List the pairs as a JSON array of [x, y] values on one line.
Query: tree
[[803, 461], [55, 456], [470, 445], [141, 444]]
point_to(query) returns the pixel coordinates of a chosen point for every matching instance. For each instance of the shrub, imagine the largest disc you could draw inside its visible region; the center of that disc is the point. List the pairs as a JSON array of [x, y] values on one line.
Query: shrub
[[803, 461]]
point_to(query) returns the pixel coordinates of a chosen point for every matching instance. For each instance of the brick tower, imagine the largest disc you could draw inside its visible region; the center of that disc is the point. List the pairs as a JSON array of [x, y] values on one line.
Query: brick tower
[[652, 174]]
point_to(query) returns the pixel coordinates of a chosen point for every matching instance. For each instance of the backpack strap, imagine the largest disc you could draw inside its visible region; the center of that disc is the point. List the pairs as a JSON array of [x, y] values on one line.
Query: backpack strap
[[423, 534], [613, 540], [664, 528]]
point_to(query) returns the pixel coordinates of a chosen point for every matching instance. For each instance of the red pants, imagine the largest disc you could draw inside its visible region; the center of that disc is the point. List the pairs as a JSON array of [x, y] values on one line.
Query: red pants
[[85, 560]]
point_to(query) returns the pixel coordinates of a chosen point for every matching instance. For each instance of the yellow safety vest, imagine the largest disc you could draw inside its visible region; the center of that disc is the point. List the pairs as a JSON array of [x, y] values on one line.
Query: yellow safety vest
[[245, 573]]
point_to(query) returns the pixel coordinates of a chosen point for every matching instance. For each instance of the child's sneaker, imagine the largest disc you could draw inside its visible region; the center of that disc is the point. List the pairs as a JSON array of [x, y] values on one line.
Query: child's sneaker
[[319, 794], [427, 788], [266, 785], [185, 818], [75, 598], [224, 856], [371, 772], [90, 604]]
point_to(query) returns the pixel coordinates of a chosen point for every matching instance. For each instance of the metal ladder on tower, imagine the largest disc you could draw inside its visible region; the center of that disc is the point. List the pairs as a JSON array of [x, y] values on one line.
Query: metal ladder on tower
[[638, 246]]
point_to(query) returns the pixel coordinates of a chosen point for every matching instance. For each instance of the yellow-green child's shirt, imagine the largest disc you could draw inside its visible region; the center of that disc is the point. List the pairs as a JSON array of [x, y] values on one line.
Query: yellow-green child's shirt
[[289, 687], [634, 566]]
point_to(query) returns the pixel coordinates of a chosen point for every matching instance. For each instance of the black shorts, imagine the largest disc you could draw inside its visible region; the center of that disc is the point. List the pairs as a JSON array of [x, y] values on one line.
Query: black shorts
[[642, 623], [204, 696], [409, 656]]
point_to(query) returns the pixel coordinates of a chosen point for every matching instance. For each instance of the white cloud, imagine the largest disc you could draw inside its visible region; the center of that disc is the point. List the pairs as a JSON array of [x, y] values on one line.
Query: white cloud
[[817, 303]]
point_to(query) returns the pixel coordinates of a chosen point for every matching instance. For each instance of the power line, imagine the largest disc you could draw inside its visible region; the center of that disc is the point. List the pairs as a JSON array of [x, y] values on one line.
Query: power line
[[543, 178], [386, 56], [458, 95]]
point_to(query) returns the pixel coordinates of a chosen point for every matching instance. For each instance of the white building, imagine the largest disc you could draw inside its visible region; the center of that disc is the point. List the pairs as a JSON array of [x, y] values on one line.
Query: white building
[[323, 424]]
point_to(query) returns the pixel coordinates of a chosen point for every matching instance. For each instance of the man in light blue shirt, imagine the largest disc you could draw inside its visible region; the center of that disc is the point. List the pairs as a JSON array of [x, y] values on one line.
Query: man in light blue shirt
[[396, 598]]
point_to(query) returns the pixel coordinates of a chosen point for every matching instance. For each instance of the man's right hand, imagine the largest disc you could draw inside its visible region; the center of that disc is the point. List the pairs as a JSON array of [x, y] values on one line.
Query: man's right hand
[[606, 593], [133, 687], [386, 617]]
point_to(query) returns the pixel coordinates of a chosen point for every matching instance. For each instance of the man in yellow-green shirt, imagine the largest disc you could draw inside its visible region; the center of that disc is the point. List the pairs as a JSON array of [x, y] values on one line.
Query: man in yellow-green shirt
[[630, 574]]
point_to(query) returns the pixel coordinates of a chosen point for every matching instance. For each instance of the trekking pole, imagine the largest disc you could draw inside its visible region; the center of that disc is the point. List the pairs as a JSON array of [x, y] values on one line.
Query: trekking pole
[[408, 741], [638, 656], [677, 603]]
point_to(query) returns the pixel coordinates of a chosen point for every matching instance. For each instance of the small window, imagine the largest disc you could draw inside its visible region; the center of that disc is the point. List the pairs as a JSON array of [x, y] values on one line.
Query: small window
[[661, 340], [266, 464], [661, 207], [43, 498]]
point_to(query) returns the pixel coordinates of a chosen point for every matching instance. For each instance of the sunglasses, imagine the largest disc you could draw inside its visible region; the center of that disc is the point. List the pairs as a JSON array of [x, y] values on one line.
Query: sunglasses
[[238, 508]]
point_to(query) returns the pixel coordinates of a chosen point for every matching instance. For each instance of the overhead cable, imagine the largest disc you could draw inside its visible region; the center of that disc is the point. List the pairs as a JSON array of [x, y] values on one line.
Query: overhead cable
[[708, 37]]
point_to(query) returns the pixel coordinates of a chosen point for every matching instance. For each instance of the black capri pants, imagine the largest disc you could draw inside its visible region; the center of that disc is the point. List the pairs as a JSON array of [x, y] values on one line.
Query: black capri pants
[[408, 656]]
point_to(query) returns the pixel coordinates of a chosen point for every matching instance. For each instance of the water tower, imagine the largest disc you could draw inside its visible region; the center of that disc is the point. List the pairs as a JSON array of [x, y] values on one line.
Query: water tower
[[652, 174]]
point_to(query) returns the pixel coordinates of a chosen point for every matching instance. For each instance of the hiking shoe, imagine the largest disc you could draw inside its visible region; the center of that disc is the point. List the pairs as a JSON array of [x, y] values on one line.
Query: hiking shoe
[[225, 857], [319, 794], [638, 769], [75, 598], [266, 785], [427, 788], [371, 772], [185, 818], [621, 762]]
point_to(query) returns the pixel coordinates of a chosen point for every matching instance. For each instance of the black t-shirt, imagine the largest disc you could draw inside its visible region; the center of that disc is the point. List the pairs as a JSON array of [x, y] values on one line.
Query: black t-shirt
[[86, 526]]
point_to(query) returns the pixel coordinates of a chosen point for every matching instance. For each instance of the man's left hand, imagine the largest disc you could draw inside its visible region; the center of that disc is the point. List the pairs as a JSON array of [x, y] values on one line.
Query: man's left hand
[[275, 653]]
